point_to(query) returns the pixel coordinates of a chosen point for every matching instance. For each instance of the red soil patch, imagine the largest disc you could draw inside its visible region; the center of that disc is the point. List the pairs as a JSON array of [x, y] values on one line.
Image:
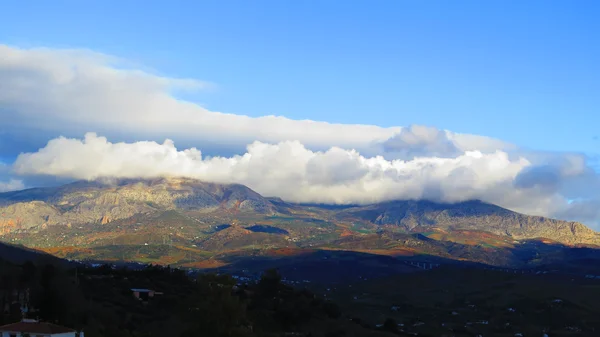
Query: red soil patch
[[206, 264], [390, 252], [347, 232], [65, 250], [288, 251], [386, 252], [168, 260]]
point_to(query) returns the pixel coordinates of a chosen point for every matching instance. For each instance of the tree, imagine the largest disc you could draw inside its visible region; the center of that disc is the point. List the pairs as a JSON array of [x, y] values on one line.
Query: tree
[[28, 273], [214, 310], [390, 325], [270, 282], [59, 298], [332, 310]]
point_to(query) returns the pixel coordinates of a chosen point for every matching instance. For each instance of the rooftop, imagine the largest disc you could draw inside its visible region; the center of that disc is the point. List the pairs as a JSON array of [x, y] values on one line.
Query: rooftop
[[35, 327]]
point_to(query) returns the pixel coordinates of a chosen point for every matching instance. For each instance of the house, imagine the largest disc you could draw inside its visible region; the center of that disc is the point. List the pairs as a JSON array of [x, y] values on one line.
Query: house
[[144, 294], [34, 328]]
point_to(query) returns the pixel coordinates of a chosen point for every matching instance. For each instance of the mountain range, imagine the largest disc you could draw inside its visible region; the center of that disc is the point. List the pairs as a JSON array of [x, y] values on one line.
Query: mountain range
[[199, 224]]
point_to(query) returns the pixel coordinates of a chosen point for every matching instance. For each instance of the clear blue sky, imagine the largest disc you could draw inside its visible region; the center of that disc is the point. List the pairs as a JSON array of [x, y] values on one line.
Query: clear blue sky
[[523, 71]]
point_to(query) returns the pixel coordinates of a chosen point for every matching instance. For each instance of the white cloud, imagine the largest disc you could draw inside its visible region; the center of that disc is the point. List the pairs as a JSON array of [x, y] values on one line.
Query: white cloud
[[291, 171], [6, 182], [11, 185], [286, 169], [70, 92], [45, 93], [419, 141], [74, 91]]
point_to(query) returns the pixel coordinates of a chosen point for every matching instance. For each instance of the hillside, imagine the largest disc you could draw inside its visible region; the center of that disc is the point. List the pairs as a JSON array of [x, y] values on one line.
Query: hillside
[[19, 255], [194, 223], [100, 203], [472, 215]]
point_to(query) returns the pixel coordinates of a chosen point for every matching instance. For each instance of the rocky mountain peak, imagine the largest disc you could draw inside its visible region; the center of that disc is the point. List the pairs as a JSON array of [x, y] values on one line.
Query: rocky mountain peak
[[108, 200]]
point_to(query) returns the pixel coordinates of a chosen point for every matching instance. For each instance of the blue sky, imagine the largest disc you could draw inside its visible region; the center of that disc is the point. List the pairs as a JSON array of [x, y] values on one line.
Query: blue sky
[[377, 100], [523, 71]]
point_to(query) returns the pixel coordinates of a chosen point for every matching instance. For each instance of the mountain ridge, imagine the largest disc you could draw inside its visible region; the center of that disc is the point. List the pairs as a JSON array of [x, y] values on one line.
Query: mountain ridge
[[95, 202], [181, 212], [475, 215]]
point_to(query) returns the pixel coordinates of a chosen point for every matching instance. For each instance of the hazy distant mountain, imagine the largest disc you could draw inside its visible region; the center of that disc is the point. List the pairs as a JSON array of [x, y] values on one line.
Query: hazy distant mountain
[[187, 221]]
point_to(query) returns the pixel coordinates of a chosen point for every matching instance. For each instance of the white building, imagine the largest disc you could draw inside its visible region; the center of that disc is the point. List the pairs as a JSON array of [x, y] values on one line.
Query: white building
[[144, 294], [33, 328]]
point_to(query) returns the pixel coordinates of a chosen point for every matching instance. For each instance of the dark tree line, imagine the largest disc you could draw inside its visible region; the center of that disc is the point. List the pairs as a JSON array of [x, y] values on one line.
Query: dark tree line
[[100, 301]]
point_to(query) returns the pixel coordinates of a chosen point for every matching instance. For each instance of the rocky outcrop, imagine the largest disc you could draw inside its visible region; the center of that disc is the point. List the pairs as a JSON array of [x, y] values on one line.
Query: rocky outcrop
[[105, 202], [105, 219], [28, 215]]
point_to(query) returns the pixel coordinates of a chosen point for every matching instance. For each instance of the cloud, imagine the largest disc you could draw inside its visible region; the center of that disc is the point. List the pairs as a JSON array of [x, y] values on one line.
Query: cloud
[[287, 169], [11, 185], [69, 92], [581, 209], [60, 94], [419, 141], [45, 93], [291, 171], [7, 183], [426, 141], [553, 173]]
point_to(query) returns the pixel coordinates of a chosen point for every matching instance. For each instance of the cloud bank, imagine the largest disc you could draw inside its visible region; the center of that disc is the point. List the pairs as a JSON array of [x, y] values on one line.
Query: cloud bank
[[70, 92], [291, 171], [286, 169], [65, 91], [49, 98]]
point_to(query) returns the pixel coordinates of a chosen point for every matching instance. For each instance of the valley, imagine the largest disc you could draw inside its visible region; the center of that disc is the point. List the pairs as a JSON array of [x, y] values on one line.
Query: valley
[[400, 268]]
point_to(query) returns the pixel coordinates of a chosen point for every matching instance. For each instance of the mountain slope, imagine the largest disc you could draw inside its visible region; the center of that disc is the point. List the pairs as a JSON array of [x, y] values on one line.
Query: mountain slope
[[19, 255], [171, 219], [96, 202], [472, 215]]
